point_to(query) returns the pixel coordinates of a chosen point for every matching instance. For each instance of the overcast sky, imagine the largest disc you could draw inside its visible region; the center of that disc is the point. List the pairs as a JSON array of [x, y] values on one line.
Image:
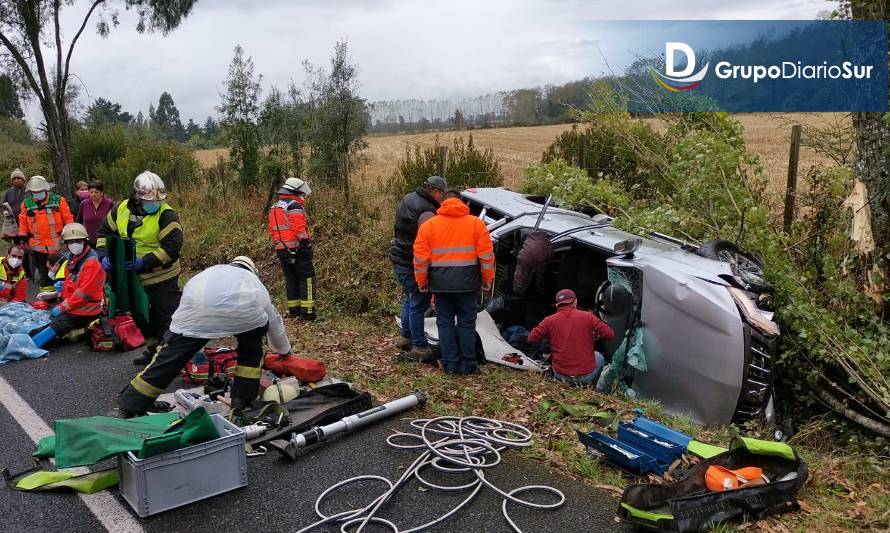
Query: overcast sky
[[405, 49]]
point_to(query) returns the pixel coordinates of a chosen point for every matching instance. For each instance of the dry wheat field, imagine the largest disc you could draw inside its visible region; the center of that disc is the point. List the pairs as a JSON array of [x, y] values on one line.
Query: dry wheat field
[[767, 135]]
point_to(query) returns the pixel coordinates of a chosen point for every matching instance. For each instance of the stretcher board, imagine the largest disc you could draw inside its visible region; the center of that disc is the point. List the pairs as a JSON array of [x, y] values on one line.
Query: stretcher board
[[496, 349]]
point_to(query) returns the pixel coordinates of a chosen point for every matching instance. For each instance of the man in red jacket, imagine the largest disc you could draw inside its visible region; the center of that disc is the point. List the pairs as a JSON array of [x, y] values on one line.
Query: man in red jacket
[[13, 284], [572, 334], [82, 291]]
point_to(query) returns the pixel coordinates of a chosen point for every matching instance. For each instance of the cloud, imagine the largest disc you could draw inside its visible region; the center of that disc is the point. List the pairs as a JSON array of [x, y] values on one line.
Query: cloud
[[405, 49]]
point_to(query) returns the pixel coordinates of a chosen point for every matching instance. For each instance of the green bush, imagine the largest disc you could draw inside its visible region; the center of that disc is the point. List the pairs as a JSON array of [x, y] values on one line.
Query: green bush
[[115, 158], [465, 166], [19, 150]]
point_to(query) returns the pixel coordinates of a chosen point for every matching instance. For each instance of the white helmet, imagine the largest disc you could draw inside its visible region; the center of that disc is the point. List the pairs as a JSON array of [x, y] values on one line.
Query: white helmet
[[295, 186], [73, 232], [150, 186], [244, 261], [37, 184], [17, 173]]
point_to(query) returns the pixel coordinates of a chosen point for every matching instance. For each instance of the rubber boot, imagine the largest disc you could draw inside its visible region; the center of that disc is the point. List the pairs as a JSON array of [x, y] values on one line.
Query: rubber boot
[[44, 337]]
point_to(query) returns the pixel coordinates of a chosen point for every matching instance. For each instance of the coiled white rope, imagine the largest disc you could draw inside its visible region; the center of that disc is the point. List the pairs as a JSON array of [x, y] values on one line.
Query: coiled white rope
[[452, 445]]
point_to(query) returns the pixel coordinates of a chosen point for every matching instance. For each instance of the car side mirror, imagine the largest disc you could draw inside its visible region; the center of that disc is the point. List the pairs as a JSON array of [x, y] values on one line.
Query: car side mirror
[[627, 247]]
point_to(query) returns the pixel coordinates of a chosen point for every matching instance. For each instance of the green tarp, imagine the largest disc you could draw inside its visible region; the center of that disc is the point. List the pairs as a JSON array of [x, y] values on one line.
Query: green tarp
[[86, 441], [128, 294]]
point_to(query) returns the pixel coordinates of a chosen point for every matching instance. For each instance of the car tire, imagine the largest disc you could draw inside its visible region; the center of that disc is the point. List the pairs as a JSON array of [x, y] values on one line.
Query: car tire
[[730, 252]]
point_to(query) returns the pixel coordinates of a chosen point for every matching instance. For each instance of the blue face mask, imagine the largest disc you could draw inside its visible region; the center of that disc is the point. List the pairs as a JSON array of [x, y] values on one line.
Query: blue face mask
[[151, 207], [39, 196]]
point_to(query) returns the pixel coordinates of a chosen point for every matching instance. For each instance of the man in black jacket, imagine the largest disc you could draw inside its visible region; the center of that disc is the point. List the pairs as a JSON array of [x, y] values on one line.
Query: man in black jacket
[[413, 206]]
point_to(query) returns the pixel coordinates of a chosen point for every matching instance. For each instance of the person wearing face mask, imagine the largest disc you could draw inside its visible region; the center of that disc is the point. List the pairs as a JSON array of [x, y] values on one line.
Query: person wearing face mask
[[13, 284], [154, 226], [82, 290], [41, 219]]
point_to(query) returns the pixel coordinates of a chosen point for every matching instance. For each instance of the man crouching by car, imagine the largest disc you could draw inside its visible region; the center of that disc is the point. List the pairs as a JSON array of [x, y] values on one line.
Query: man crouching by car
[[572, 334]]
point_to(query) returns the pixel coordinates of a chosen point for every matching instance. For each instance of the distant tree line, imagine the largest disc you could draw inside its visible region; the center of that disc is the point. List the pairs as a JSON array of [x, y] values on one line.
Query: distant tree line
[[551, 104]]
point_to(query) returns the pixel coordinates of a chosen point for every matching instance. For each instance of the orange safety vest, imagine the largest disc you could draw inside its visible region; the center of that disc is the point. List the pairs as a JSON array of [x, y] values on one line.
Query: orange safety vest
[[287, 222], [84, 285], [44, 222], [453, 250]]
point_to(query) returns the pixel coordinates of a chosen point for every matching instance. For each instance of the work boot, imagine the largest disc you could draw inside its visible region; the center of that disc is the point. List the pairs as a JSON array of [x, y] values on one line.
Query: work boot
[[403, 344], [117, 412], [470, 371], [240, 403], [295, 312], [146, 356], [309, 315], [418, 354]]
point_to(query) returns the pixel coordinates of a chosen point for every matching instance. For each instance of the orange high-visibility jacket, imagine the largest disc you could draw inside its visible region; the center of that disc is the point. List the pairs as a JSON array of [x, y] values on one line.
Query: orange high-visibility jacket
[[43, 222], [84, 285], [453, 251], [287, 222]]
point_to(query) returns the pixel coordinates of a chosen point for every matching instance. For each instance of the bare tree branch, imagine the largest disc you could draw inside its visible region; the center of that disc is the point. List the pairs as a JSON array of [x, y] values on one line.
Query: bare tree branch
[[77, 36]]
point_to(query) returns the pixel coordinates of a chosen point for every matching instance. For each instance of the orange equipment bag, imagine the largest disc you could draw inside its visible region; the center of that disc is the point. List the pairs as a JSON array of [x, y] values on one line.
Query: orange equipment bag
[[306, 370]]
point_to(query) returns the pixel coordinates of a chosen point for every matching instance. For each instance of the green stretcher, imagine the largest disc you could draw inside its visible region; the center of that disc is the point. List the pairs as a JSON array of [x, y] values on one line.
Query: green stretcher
[[127, 295]]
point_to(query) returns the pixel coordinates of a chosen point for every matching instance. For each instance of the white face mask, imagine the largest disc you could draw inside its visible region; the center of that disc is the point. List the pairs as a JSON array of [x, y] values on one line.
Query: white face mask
[[75, 248], [14, 262]]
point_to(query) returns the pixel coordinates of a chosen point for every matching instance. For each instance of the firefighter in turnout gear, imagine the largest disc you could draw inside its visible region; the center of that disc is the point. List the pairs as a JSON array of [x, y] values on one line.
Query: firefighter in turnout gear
[[289, 230], [147, 219], [82, 290], [41, 219], [222, 301]]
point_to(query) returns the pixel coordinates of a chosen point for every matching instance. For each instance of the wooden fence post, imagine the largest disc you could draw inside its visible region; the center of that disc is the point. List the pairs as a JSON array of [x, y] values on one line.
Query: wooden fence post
[[582, 151], [443, 151], [791, 187]]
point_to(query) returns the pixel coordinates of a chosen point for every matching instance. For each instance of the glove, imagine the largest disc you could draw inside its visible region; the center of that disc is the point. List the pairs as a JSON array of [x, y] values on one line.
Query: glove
[[486, 286], [106, 264], [305, 244], [58, 285], [2, 285], [136, 266], [57, 310]]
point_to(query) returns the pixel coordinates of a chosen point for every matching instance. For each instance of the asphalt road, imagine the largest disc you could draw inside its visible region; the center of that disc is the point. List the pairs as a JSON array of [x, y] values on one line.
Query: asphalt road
[[74, 382]]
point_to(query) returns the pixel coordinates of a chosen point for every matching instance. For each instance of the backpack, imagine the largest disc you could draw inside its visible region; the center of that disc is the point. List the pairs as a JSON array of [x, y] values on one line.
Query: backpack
[[305, 370], [102, 337], [208, 363], [127, 332], [689, 505]]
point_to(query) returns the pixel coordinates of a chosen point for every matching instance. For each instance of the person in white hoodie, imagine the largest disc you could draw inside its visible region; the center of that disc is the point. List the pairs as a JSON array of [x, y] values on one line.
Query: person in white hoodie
[[222, 301]]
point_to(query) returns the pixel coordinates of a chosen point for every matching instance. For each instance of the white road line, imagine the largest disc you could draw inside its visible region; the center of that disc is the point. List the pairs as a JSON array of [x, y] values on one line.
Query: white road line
[[107, 509]]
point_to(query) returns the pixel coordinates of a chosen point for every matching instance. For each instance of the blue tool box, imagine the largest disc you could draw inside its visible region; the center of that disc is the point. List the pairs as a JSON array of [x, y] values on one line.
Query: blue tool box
[[663, 451], [622, 455], [663, 432]]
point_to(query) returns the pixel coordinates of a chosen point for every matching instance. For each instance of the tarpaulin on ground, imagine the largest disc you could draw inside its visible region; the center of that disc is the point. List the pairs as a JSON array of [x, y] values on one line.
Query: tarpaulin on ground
[[16, 321], [496, 349], [128, 294], [86, 441]]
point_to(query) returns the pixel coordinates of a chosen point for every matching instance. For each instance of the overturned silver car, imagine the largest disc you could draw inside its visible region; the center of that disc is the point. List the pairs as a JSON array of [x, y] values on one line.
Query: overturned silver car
[[688, 329]]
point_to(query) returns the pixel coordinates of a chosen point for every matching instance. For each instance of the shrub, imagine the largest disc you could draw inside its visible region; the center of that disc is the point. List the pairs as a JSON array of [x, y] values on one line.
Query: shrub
[[465, 166]]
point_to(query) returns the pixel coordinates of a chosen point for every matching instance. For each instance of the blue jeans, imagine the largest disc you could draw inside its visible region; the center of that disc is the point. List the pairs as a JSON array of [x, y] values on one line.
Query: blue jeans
[[414, 305], [588, 379], [458, 344]]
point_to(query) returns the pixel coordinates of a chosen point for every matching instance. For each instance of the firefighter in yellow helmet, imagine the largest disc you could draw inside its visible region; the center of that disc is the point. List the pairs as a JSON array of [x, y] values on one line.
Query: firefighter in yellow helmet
[[146, 218]]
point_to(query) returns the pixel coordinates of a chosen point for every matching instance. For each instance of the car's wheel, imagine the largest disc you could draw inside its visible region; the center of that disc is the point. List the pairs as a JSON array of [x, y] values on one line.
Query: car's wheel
[[747, 267]]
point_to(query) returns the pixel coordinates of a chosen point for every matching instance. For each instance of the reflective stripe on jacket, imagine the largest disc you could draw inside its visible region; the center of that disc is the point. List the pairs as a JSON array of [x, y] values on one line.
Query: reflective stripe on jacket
[[44, 222], [15, 286], [84, 285], [158, 239], [453, 250], [287, 222]]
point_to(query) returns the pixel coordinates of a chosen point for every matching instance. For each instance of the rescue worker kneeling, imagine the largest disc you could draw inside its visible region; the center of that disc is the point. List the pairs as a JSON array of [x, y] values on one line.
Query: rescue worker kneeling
[[82, 290], [222, 301]]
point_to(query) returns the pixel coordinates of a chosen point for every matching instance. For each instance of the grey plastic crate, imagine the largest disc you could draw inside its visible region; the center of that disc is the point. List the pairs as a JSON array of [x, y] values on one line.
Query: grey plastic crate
[[186, 475]]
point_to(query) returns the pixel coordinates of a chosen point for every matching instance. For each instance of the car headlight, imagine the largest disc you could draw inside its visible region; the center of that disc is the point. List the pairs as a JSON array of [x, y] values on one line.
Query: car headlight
[[752, 313]]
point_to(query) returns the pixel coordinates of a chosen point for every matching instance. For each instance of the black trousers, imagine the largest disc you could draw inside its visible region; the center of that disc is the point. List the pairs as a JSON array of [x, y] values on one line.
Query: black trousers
[[299, 279], [163, 299], [39, 270], [178, 350]]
